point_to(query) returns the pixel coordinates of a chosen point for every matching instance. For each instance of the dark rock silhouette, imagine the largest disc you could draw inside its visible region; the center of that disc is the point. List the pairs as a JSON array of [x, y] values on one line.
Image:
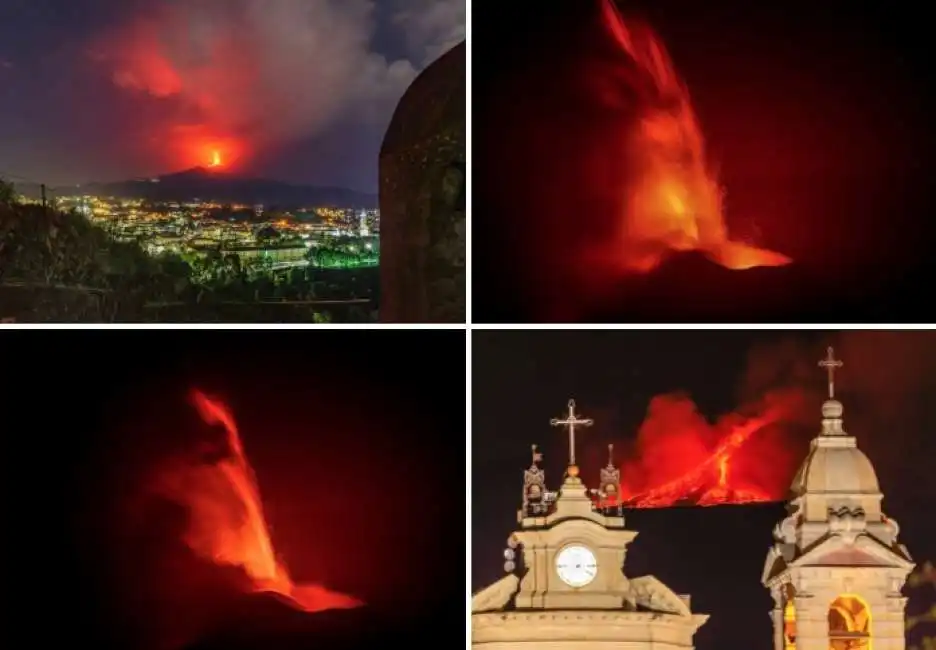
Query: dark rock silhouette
[[422, 198]]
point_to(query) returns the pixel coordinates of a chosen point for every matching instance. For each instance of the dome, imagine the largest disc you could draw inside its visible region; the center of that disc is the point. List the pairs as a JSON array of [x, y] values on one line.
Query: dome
[[838, 468]]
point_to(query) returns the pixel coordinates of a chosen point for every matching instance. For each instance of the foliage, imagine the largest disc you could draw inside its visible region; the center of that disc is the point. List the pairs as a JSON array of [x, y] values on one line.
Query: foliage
[[345, 252], [922, 585], [8, 195], [58, 267]]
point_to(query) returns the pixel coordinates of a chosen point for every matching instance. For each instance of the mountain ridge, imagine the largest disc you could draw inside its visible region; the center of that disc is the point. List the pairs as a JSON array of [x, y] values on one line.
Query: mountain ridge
[[223, 187]]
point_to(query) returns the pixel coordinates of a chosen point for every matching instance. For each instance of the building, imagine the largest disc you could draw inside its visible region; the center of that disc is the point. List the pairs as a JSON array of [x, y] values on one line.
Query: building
[[565, 586], [836, 569], [276, 254]]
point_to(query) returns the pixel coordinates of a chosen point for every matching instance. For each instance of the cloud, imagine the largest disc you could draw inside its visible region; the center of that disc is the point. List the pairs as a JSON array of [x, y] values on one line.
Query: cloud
[[274, 70], [431, 27]]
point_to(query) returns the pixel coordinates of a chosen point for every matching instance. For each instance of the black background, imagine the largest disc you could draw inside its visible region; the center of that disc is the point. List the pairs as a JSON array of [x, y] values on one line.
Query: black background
[[358, 446], [818, 116]]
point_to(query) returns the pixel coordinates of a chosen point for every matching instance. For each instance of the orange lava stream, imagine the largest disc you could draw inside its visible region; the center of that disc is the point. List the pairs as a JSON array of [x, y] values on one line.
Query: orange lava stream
[[227, 524], [674, 201], [693, 486]]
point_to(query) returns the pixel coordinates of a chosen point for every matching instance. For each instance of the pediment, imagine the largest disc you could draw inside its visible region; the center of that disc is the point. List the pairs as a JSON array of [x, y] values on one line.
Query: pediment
[[864, 551], [774, 565], [650, 593], [496, 596]]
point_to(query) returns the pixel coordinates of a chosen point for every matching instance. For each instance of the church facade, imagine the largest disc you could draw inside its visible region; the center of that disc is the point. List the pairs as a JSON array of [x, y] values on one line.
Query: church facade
[[835, 571], [565, 587]]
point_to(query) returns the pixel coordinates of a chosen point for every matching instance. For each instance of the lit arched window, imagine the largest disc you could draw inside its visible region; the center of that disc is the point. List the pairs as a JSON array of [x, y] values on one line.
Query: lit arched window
[[789, 626], [849, 624]]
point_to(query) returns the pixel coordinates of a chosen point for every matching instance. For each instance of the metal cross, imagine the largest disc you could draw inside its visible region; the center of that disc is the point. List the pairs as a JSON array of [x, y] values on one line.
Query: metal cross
[[571, 421], [830, 363]]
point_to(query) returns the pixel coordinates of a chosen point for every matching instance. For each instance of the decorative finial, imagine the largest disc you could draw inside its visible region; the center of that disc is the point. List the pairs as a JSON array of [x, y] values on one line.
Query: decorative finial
[[571, 421], [534, 485], [610, 481], [830, 363], [537, 456]]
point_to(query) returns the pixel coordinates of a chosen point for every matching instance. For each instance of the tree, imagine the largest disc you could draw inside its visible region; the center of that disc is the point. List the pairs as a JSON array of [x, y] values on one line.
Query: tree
[[8, 195], [922, 584]]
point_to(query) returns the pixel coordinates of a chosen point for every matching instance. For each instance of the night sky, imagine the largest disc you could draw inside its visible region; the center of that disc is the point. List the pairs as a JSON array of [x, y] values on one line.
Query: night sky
[[296, 90], [522, 379], [349, 443], [817, 116]]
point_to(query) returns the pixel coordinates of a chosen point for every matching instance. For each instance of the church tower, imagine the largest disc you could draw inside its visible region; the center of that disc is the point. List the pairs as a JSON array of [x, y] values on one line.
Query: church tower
[[836, 569], [565, 587]]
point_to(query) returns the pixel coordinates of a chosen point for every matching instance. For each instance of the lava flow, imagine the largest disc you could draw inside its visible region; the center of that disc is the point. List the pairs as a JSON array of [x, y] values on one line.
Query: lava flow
[[227, 525], [681, 458], [674, 201]]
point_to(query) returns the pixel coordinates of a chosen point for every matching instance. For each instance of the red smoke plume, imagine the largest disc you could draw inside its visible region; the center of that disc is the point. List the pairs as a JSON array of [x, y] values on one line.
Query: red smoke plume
[[235, 76], [671, 200], [751, 454], [227, 526]]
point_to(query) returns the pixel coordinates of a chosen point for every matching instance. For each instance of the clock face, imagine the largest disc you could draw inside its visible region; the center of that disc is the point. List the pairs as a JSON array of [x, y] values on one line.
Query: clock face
[[576, 566]]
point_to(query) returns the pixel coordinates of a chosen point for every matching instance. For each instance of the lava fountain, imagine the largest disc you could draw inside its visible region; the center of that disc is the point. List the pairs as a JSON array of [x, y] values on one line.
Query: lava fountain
[[226, 522], [674, 201]]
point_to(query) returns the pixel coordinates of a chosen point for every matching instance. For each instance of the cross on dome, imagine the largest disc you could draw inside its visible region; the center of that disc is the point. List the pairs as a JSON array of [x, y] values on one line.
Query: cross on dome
[[830, 363]]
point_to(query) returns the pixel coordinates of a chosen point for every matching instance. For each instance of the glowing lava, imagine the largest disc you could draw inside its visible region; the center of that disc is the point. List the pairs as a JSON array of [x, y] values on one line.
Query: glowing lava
[[674, 201], [227, 524], [215, 159], [708, 482]]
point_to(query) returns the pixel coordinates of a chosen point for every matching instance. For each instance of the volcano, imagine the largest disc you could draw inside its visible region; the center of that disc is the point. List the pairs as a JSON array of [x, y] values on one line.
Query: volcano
[[262, 621], [215, 184], [613, 185]]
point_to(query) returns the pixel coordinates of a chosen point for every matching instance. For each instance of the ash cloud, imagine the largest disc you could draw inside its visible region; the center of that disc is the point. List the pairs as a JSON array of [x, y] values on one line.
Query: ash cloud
[[276, 70], [885, 386]]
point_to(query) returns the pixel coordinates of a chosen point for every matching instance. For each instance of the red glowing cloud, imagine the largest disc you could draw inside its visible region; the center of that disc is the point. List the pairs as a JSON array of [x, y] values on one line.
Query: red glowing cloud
[[227, 525], [751, 453], [264, 73], [672, 200]]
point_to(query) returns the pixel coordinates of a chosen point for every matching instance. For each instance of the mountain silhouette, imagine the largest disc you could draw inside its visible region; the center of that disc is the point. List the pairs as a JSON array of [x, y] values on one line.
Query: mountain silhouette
[[262, 621], [220, 186]]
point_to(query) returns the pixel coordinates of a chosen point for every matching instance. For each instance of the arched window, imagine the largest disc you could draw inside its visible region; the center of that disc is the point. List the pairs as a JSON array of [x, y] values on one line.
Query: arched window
[[849, 624], [789, 625]]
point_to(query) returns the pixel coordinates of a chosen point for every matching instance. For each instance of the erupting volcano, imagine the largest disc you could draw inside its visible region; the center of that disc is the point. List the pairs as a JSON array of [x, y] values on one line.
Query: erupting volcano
[[227, 525], [673, 201], [680, 458], [708, 482]]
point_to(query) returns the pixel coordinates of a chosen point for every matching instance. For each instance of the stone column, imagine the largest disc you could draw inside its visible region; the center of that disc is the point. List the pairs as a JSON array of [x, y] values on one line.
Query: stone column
[[812, 623]]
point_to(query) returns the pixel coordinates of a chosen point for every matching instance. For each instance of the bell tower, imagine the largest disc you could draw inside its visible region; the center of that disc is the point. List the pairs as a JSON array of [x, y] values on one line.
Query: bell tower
[[836, 569], [565, 585]]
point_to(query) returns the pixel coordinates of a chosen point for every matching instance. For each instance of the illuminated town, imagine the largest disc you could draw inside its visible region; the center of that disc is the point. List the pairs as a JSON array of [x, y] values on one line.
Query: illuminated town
[[281, 239]]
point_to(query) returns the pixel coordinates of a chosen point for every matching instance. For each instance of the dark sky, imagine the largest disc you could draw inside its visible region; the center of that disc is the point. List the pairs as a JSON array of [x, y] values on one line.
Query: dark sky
[[346, 440], [817, 116], [294, 89], [522, 379]]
